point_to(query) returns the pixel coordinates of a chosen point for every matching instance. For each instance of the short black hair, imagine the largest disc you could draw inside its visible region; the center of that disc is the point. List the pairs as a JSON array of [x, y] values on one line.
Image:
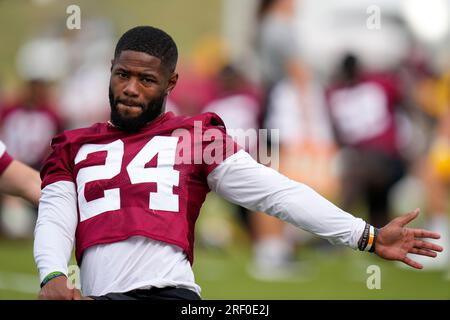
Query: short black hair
[[349, 66], [152, 41]]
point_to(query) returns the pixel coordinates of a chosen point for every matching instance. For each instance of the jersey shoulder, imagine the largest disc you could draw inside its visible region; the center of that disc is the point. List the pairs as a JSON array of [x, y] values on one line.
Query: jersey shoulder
[[73, 135], [207, 119]]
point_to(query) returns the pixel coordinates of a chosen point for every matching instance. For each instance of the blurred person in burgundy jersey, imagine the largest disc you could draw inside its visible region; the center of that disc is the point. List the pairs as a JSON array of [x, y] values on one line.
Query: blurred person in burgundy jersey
[[362, 108], [29, 123], [193, 93], [238, 102]]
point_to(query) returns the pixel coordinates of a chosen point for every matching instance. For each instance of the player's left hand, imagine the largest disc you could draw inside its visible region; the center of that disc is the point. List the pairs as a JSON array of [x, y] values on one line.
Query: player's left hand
[[395, 241], [78, 296]]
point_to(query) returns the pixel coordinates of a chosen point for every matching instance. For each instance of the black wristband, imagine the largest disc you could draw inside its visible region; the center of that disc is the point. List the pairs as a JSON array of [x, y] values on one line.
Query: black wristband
[[364, 238], [368, 239], [51, 276]]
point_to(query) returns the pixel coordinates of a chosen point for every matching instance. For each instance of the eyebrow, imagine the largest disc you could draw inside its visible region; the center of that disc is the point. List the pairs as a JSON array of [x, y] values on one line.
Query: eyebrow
[[145, 72]]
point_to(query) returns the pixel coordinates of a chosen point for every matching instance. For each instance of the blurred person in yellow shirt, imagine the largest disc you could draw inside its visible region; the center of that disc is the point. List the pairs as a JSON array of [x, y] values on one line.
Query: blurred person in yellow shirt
[[434, 97]]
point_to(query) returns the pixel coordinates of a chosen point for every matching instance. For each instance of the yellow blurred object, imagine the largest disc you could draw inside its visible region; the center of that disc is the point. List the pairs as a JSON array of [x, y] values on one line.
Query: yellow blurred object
[[433, 95], [440, 158], [209, 56]]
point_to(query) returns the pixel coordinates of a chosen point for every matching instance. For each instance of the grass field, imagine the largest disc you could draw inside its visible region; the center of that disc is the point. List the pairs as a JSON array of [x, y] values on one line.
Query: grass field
[[324, 272], [329, 274]]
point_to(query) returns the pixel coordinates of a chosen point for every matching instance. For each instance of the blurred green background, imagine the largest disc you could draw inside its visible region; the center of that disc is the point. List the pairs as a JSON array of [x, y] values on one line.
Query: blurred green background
[[25, 19]]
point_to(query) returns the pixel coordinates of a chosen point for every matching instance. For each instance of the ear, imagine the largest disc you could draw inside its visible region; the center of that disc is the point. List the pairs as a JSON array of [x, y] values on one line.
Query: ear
[[112, 64], [172, 82]]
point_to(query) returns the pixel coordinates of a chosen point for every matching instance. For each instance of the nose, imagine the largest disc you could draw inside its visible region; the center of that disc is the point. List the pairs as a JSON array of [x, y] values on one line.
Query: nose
[[131, 88]]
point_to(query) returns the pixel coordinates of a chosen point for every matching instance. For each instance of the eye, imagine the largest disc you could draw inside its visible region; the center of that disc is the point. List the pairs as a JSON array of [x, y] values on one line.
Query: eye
[[147, 80], [122, 75]]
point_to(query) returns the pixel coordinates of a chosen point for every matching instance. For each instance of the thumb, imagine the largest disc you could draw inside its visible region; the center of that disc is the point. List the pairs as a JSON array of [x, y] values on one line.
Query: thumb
[[407, 218]]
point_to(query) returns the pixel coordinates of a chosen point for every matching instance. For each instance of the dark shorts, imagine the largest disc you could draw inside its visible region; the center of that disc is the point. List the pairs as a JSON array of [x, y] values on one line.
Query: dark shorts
[[168, 293]]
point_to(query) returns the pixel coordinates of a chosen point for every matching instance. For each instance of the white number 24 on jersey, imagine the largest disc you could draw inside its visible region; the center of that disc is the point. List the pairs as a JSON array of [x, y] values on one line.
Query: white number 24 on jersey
[[164, 175]]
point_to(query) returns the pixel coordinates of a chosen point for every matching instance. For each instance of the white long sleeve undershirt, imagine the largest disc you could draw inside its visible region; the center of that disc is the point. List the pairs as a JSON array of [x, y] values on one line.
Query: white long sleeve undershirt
[[239, 179], [54, 233]]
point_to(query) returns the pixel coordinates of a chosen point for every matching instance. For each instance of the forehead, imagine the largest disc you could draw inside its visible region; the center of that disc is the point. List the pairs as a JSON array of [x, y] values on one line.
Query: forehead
[[135, 59]]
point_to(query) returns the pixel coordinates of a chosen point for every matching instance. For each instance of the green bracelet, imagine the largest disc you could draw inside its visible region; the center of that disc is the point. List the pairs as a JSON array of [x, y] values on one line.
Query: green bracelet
[[51, 276]]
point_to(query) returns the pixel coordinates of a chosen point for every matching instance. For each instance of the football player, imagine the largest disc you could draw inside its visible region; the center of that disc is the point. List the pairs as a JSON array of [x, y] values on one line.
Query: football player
[[128, 191]]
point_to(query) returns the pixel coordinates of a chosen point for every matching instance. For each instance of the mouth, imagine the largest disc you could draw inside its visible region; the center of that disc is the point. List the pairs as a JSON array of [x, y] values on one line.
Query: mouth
[[129, 107]]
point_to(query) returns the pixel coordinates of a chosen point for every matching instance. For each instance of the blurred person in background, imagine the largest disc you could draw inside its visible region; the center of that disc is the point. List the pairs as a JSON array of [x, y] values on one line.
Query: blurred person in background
[[238, 102], [201, 85], [194, 92], [437, 186], [280, 62], [82, 97], [29, 119], [434, 166], [27, 126], [362, 108], [307, 150], [29, 123]]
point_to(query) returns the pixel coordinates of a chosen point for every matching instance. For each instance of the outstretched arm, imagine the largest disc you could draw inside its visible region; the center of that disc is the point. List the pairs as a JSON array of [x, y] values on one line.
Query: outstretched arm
[[21, 180], [243, 181], [18, 179]]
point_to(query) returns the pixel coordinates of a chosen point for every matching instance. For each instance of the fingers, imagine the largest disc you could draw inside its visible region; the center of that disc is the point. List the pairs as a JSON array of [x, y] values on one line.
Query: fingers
[[422, 233], [407, 218], [412, 263], [423, 252], [420, 244], [77, 294]]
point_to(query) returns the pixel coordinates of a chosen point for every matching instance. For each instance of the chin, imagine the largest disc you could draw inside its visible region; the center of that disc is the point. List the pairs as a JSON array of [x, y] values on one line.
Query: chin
[[127, 114]]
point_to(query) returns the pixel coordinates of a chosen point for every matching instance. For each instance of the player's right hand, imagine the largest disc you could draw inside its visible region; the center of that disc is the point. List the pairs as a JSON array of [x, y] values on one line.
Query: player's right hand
[[395, 241], [57, 289]]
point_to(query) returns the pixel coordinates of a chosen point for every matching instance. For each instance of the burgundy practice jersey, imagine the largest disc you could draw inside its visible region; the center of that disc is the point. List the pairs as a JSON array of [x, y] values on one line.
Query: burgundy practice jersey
[[5, 158], [27, 132], [151, 183], [364, 114]]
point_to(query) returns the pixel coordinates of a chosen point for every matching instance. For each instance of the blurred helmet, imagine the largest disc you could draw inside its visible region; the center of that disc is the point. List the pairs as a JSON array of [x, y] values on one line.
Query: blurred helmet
[[43, 59]]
